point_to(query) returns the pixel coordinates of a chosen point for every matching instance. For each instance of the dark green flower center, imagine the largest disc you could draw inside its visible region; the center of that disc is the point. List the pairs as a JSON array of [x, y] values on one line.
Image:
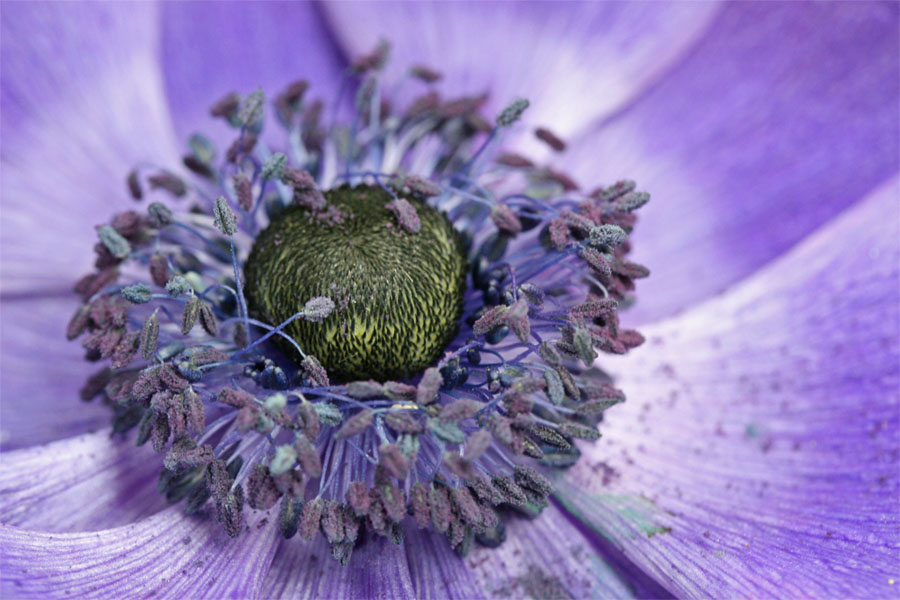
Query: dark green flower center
[[398, 293]]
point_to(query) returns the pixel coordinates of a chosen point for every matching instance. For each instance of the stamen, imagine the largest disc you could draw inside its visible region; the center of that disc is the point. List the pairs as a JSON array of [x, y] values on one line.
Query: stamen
[[117, 245], [550, 138], [512, 113]]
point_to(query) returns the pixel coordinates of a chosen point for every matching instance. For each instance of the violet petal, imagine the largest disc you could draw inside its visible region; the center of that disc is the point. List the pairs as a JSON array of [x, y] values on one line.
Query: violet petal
[[547, 557], [574, 62], [782, 116], [167, 555], [757, 452], [85, 483], [212, 49], [377, 569], [70, 93]]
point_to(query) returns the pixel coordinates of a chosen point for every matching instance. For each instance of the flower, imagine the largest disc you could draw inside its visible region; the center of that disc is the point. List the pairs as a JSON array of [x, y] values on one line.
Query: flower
[[757, 453]]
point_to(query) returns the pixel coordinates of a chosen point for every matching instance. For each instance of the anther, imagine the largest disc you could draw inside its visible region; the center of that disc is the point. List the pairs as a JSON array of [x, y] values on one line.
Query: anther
[[406, 214], [251, 112], [117, 245], [168, 182], [512, 113], [226, 222], [134, 185], [355, 424], [160, 215], [550, 138], [138, 293], [273, 166], [149, 336], [425, 74], [607, 236], [242, 189]]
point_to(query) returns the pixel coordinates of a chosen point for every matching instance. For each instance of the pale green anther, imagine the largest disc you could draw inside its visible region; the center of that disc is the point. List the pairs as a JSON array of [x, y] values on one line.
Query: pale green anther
[[447, 432], [114, 242], [284, 460], [149, 336], [276, 402], [555, 390], [409, 444], [264, 424], [138, 293], [273, 166], [512, 113], [178, 286], [252, 108], [194, 280], [328, 413], [318, 308], [584, 346], [202, 147], [160, 215], [608, 236], [226, 222]]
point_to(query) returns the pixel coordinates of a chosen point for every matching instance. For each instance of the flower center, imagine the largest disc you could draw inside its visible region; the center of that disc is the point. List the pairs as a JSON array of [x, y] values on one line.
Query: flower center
[[395, 269]]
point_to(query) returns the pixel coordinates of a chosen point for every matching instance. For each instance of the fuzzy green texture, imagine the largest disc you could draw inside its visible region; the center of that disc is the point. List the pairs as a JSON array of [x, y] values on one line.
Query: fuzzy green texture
[[398, 295]]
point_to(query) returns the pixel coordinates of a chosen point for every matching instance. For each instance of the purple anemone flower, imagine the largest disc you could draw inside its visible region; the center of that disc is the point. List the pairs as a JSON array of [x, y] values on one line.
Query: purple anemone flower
[[757, 454]]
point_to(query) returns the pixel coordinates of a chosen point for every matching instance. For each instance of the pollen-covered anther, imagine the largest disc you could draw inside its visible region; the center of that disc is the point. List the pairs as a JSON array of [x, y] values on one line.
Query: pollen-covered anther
[[306, 190], [506, 219], [355, 424], [406, 214], [169, 182], [512, 112], [607, 236], [160, 214], [243, 190], [226, 222], [117, 245]]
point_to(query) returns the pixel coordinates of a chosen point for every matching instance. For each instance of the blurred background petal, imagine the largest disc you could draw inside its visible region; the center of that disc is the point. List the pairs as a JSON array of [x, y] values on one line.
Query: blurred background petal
[[781, 117], [83, 101], [757, 452], [575, 62], [210, 49]]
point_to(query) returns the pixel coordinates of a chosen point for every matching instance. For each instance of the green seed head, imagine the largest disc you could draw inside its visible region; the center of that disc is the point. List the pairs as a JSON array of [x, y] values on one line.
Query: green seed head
[[398, 294]]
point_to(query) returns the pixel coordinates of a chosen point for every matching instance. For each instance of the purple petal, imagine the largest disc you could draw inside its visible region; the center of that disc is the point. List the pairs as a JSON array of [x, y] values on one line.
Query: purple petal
[[547, 557], [80, 107], [757, 454], [168, 555], [86, 483], [210, 49], [436, 570], [574, 62], [781, 117], [377, 569], [42, 373]]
